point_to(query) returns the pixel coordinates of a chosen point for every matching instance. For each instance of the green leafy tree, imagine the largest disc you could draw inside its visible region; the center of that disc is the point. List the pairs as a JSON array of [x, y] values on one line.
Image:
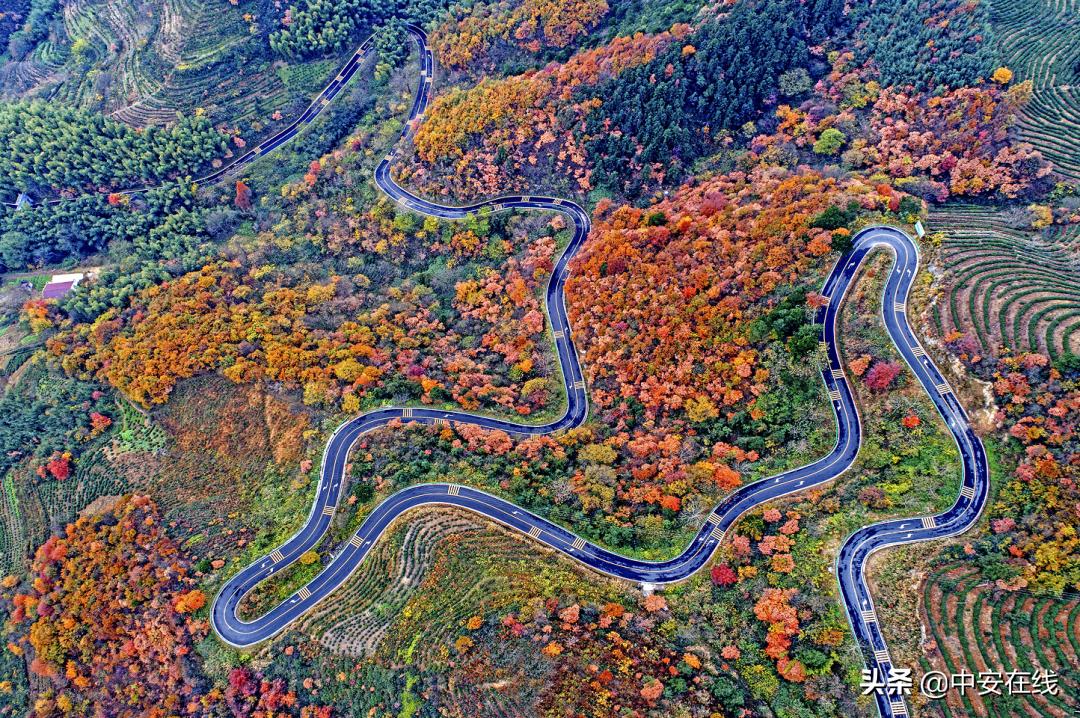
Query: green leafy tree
[[795, 82], [829, 142], [669, 111]]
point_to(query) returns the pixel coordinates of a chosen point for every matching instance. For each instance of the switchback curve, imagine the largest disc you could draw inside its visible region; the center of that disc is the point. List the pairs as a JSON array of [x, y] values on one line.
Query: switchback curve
[[852, 558]]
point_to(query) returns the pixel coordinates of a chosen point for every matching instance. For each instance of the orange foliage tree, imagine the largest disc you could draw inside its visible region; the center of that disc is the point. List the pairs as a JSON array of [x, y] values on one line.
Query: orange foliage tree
[[100, 618], [470, 33], [957, 143], [255, 324], [659, 297], [492, 136]]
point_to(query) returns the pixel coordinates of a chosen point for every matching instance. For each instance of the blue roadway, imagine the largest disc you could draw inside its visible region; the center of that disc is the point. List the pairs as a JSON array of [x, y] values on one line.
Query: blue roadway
[[851, 560], [975, 482]]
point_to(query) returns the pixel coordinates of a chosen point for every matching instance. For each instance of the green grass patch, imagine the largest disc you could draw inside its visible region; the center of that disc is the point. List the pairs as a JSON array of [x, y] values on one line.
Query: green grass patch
[[137, 432], [307, 77]]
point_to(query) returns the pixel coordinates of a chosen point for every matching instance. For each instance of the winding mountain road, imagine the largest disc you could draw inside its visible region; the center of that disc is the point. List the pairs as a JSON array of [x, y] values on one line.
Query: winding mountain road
[[851, 560]]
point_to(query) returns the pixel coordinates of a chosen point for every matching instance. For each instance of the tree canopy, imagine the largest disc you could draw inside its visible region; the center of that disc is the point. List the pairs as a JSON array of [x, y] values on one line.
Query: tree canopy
[[50, 148], [669, 111]]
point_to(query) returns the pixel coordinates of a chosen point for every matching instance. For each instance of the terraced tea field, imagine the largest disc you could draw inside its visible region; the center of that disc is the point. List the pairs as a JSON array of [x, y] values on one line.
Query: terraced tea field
[[431, 573], [145, 62], [976, 627], [1009, 287], [377, 595], [1037, 39], [428, 576]]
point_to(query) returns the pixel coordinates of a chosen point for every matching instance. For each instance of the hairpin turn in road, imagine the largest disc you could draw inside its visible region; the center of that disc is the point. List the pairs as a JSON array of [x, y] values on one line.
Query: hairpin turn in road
[[850, 565], [851, 560]]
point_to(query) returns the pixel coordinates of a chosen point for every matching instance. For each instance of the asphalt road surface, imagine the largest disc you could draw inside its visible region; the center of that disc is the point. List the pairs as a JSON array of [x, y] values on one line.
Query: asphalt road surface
[[851, 560]]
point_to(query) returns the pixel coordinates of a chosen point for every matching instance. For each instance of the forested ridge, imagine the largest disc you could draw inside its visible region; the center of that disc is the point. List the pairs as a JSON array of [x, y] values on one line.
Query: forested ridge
[[471, 35], [668, 112], [52, 149], [645, 109]]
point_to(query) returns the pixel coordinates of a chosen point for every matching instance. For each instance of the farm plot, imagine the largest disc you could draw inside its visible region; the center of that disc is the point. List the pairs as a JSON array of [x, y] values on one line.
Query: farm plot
[[1037, 39], [14, 541], [431, 573], [975, 627], [1008, 287], [144, 62], [356, 618]]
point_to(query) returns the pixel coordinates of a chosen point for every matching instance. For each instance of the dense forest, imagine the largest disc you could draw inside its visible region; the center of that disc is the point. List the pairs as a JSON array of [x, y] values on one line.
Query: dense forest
[[154, 225], [932, 46], [670, 111], [56, 149]]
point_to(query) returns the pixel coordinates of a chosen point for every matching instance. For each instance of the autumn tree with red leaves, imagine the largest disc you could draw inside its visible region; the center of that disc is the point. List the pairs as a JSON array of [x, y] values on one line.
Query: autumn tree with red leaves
[[242, 200], [100, 606], [881, 375]]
